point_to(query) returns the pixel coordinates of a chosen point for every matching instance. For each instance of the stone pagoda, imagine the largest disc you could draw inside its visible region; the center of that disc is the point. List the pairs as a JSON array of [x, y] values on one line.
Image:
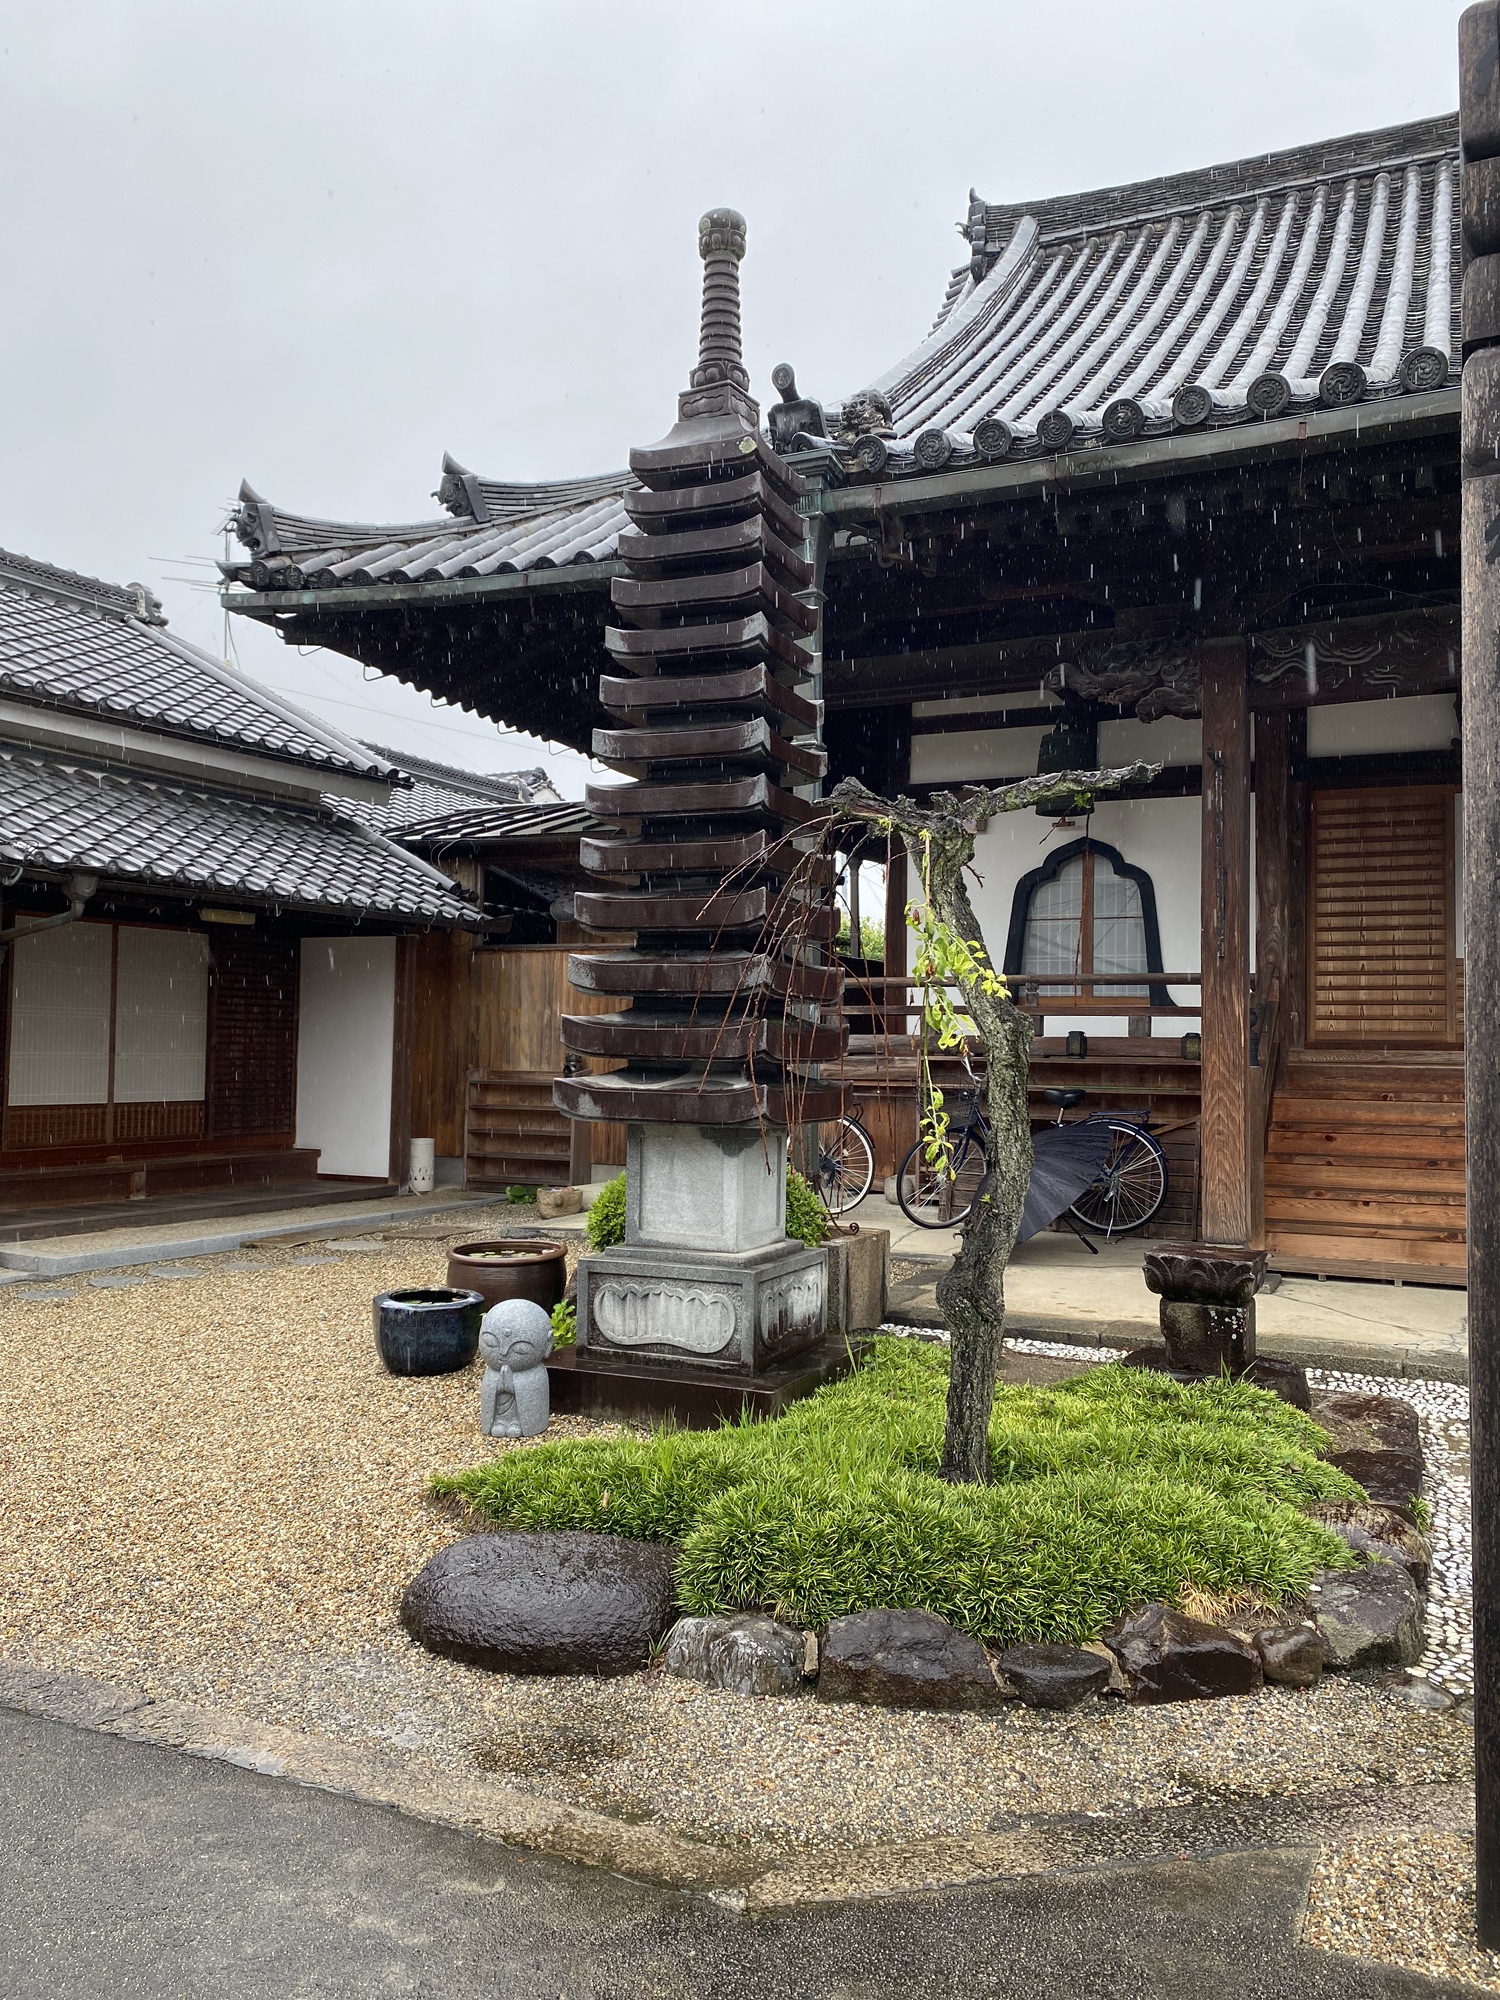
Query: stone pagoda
[[714, 872]]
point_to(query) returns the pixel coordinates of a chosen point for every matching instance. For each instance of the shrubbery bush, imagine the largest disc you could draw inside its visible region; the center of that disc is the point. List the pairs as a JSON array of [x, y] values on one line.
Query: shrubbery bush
[[1109, 1490]]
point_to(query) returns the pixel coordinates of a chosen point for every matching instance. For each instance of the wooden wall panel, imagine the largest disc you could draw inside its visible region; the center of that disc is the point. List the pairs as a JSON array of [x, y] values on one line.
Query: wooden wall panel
[[441, 1028], [252, 1037], [519, 996], [1381, 963]]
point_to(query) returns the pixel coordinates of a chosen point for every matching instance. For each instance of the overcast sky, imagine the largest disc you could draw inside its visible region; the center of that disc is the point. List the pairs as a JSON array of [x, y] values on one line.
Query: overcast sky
[[319, 242]]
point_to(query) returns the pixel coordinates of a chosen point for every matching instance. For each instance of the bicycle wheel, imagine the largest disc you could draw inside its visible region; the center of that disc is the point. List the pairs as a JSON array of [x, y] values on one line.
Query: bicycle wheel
[[937, 1197], [1131, 1187], [846, 1165]]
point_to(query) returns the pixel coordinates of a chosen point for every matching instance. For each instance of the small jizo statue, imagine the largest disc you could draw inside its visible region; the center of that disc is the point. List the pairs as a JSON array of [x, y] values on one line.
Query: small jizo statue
[[515, 1339]]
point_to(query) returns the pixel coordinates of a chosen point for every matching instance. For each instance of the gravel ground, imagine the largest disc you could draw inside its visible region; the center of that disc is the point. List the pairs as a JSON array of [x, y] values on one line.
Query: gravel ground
[[1402, 1898], [217, 1494]]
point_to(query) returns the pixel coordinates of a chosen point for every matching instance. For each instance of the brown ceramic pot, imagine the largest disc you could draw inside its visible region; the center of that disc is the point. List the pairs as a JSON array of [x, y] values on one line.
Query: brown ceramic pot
[[514, 1267]]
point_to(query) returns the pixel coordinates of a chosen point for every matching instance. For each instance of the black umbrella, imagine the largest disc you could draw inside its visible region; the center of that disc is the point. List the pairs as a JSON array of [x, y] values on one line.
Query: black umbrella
[[1065, 1159]]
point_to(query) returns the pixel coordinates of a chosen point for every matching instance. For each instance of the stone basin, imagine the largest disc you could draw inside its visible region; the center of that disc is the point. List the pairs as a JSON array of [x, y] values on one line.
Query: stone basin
[[1205, 1274]]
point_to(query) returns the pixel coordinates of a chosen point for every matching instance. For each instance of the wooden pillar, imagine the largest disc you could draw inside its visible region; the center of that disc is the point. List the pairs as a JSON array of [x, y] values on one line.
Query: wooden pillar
[[896, 898], [1227, 1207], [403, 1034], [1273, 951], [1294, 979], [1479, 131]]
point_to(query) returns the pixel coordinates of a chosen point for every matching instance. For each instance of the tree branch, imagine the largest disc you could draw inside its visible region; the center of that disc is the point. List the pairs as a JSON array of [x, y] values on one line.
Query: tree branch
[[950, 812]]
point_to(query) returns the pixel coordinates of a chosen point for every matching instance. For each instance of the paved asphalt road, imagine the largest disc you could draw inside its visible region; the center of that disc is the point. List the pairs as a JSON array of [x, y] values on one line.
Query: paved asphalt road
[[127, 1870]]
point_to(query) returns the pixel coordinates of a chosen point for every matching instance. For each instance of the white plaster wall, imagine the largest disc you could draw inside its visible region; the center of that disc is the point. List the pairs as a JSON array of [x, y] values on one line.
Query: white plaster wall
[[947, 756], [346, 1025], [1172, 739], [1163, 836], [1373, 728]]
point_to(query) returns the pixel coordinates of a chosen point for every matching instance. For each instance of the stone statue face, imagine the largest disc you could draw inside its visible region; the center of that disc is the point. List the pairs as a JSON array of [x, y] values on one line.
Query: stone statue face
[[515, 1334]]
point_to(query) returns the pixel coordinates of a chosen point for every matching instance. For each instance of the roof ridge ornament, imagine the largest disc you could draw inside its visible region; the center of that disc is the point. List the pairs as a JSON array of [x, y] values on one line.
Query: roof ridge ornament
[[794, 416], [459, 490]]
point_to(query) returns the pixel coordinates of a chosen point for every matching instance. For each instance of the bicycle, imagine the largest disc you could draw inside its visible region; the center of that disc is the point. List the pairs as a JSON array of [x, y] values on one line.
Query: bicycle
[[1128, 1192], [846, 1164]]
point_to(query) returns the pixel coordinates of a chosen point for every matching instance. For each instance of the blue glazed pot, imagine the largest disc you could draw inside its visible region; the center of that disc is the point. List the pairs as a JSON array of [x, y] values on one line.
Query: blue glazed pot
[[427, 1329]]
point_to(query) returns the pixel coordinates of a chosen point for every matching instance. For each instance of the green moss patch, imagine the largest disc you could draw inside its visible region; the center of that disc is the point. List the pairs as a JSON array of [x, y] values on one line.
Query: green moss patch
[[1114, 1488]]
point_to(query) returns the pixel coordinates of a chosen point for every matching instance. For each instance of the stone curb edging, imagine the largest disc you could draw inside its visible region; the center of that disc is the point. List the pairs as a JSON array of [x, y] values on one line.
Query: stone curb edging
[[1306, 1350], [740, 1882], [19, 1262]]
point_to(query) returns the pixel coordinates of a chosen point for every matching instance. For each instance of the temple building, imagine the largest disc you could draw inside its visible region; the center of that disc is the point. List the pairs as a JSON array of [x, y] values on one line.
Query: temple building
[[1173, 477]]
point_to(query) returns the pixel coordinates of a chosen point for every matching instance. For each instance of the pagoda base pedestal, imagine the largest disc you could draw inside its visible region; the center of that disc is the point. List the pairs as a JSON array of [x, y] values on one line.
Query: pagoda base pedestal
[[584, 1383], [735, 1311]]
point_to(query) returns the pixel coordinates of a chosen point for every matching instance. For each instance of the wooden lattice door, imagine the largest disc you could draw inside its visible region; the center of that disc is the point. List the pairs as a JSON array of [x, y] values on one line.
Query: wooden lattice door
[[1381, 957]]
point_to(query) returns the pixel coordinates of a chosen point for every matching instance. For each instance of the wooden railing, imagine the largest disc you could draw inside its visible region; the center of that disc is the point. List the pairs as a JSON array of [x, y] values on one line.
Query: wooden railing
[[889, 1004]]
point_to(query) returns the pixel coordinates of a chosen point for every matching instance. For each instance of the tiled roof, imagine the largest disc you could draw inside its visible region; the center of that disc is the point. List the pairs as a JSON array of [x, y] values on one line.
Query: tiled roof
[[1321, 275], [488, 825], [440, 790], [60, 813], [99, 649], [494, 529]]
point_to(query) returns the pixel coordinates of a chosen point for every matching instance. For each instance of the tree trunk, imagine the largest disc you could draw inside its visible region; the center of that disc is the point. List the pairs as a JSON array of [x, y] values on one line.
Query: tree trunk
[[939, 842], [971, 1293]]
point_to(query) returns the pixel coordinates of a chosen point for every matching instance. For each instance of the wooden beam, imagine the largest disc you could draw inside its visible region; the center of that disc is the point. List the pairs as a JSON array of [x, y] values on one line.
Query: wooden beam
[[1227, 1208]]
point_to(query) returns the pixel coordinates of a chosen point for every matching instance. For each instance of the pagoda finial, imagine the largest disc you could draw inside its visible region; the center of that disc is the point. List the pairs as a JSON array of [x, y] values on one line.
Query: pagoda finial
[[721, 245]]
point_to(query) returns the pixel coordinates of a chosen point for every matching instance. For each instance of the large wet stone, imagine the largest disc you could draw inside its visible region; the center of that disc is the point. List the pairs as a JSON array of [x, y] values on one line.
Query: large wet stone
[[553, 1603], [1291, 1655], [746, 1654], [1368, 1617], [1283, 1378], [1376, 1440], [1167, 1656], [1379, 1534], [1054, 1676], [904, 1659]]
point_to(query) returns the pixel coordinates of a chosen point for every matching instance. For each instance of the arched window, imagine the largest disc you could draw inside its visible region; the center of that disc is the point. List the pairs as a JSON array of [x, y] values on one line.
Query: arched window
[[1086, 909]]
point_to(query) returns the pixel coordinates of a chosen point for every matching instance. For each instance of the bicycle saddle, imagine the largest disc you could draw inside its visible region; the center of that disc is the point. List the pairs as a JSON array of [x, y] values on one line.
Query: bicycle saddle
[[1065, 1099]]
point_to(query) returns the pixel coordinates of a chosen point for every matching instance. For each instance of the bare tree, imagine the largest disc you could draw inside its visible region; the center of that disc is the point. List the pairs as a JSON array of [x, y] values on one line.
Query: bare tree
[[939, 839]]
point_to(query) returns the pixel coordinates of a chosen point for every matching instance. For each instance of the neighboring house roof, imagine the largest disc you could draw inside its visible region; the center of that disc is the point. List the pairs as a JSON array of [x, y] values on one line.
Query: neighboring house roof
[[76, 653], [440, 790], [489, 826], [62, 813], [73, 643], [1320, 275]]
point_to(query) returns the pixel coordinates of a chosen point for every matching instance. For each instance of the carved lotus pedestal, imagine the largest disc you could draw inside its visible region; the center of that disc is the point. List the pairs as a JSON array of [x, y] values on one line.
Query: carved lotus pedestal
[[1207, 1297], [707, 1308]]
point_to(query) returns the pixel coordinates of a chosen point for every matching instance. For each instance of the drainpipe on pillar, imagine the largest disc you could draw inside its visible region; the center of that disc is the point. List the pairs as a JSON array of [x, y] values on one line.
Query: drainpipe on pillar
[[1479, 133]]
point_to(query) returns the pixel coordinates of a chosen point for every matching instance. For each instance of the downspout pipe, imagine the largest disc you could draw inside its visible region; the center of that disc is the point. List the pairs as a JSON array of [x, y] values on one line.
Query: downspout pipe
[[79, 886]]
